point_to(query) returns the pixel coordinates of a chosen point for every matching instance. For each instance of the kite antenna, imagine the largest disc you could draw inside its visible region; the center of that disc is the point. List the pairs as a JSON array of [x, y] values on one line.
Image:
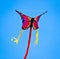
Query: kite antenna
[[43, 13]]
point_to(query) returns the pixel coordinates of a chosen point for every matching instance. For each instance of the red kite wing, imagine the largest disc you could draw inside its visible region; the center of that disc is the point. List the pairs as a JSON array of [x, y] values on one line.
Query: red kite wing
[[35, 24], [25, 20]]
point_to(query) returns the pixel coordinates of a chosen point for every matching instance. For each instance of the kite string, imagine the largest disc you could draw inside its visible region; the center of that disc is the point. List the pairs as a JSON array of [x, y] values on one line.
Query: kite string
[[29, 39]]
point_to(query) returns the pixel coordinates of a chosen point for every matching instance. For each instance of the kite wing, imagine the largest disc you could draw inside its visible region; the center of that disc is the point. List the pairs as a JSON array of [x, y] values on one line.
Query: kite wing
[[35, 24], [25, 20]]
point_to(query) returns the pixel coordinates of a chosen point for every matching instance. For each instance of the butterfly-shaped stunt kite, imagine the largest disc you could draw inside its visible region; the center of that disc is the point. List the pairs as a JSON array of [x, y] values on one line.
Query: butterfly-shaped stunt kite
[[28, 22]]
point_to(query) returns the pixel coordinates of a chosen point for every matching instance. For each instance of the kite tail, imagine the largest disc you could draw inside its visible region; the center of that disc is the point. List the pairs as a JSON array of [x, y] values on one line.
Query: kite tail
[[29, 39], [36, 41], [16, 40]]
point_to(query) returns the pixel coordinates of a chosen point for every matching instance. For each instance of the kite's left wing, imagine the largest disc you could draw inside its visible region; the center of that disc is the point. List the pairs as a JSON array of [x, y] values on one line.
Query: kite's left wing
[[25, 20]]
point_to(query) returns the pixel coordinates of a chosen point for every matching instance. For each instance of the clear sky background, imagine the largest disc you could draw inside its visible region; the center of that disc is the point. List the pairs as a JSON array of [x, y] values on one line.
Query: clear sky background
[[49, 29]]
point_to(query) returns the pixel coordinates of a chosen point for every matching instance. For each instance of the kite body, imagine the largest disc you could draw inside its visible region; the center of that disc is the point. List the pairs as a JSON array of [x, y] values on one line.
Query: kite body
[[28, 22]]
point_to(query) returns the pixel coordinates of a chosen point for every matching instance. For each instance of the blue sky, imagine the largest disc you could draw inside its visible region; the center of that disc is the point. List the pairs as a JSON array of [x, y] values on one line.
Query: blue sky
[[49, 29]]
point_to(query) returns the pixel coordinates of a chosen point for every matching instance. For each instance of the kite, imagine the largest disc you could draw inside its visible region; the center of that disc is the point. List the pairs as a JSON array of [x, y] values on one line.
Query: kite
[[28, 22]]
